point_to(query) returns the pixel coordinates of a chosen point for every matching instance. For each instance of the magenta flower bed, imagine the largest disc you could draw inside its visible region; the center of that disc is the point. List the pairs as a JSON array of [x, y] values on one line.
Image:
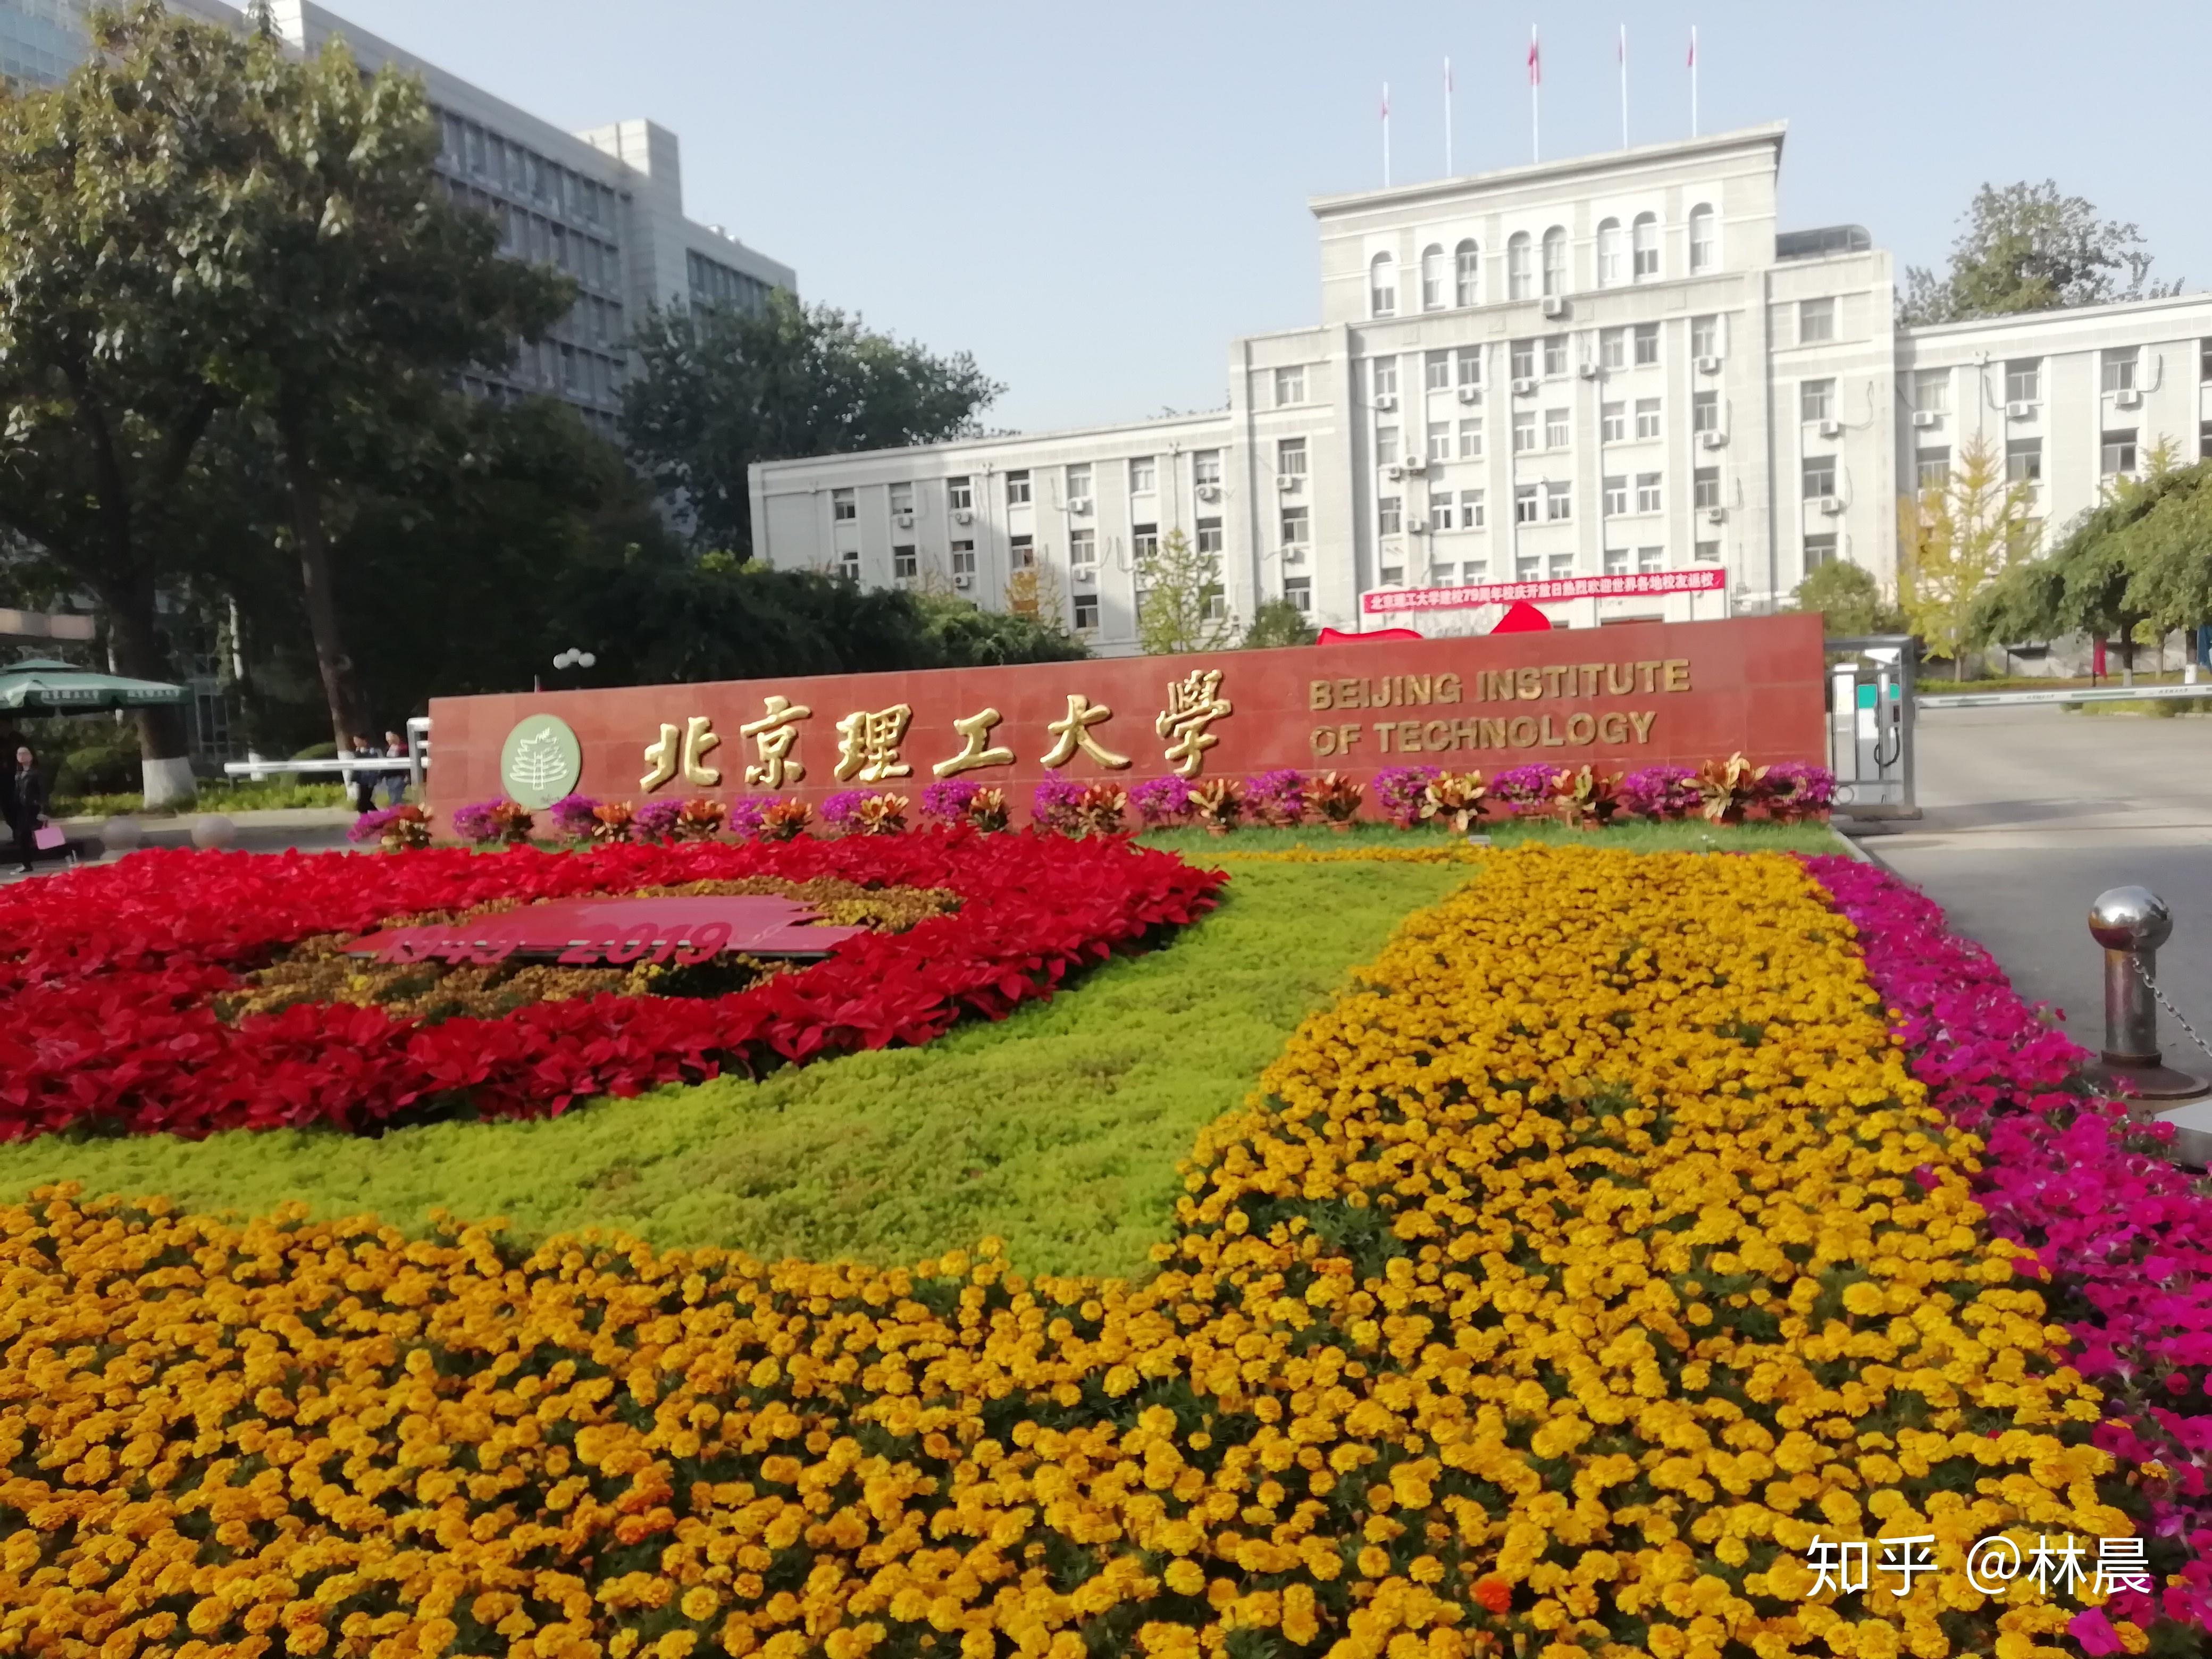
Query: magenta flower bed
[[2122, 1239]]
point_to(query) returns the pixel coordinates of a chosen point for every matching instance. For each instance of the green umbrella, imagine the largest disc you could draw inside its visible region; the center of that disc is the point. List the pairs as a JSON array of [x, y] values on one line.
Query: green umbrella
[[44, 686]]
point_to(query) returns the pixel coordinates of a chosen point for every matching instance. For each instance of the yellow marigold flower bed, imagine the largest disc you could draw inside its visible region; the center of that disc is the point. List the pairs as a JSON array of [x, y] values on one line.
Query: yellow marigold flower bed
[[1559, 1284]]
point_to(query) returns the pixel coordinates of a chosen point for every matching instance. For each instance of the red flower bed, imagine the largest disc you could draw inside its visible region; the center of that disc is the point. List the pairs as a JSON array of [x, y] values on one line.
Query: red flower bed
[[105, 982]]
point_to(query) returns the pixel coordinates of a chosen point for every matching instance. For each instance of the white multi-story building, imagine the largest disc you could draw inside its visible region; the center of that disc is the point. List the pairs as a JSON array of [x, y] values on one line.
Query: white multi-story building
[[607, 206], [1606, 365]]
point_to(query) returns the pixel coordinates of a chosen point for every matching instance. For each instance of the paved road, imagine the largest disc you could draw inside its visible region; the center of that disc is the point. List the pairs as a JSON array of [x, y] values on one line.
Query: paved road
[[312, 828], [2031, 812]]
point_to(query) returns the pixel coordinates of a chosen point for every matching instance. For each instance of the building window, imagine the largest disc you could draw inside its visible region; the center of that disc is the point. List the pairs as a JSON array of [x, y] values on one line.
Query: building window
[[1932, 466], [1555, 354], [1616, 561], [1145, 541], [1816, 321], [1706, 552], [1816, 400], [1608, 253], [1819, 475], [1086, 613], [1079, 485], [1289, 387], [1704, 336], [1704, 247], [1081, 551], [1021, 552], [843, 507], [1205, 469], [1559, 502], [1820, 550], [2023, 540], [2024, 460], [1650, 559], [1706, 487], [1440, 441], [1298, 590], [1432, 279], [1519, 278], [1386, 445], [1522, 356], [1471, 513], [1559, 566], [2024, 381], [959, 493], [1613, 348], [848, 563], [1612, 423], [1647, 246], [2205, 360], [1470, 439], [1437, 371], [963, 558], [1290, 457], [2118, 454], [1382, 287], [1389, 514], [2204, 440], [1704, 411], [1931, 391], [2119, 367], [1393, 574], [1524, 430], [1526, 567], [1647, 492], [1524, 504], [1017, 489], [1466, 273], [1647, 417], [1143, 476], [1555, 261], [1469, 362], [1616, 495], [1442, 514], [904, 564], [1294, 527], [1209, 536], [1647, 344], [1383, 375], [1555, 428], [902, 494]]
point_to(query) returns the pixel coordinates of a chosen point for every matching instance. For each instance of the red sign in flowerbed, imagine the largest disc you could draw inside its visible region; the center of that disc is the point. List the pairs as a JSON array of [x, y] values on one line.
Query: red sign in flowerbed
[[113, 976]]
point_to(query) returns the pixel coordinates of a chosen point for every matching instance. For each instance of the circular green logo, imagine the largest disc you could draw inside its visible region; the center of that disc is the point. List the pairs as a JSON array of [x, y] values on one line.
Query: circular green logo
[[540, 761]]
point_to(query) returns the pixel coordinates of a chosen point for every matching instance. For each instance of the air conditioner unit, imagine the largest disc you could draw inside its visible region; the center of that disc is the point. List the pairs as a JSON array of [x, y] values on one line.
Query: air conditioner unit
[[2130, 399], [1394, 470], [1086, 575], [1709, 365], [1831, 505], [1078, 504], [1417, 464], [1555, 305], [1589, 371], [1525, 386], [1716, 516], [2019, 411], [1925, 417], [963, 580], [1289, 482], [961, 516], [1711, 439], [1470, 394], [1832, 429], [1386, 400], [1416, 525], [1295, 554], [1209, 492]]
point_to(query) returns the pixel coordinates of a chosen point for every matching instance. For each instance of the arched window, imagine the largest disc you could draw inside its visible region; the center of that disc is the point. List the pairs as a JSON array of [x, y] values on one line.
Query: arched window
[[1518, 276], [1608, 253], [1647, 246], [1432, 279], [1466, 273], [1704, 250], [1555, 261], [1381, 286]]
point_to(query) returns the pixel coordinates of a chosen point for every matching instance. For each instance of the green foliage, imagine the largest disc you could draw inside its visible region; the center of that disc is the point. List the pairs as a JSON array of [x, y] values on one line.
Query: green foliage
[[1850, 601], [1954, 539], [971, 637], [1058, 1129], [2026, 247], [216, 795], [1179, 606], [1278, 622], [717, 391]]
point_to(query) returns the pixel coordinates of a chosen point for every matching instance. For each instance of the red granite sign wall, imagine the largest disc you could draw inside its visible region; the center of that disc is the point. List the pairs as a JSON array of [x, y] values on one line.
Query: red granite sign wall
[[1635, 695]]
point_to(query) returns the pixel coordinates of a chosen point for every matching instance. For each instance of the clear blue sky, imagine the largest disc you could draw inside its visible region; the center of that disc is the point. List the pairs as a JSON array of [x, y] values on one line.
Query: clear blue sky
[[1095, 199]]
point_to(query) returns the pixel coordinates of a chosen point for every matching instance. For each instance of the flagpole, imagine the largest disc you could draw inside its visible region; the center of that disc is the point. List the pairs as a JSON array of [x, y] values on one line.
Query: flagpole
[[1694, 80], [1536, 97], [1624, 86], [1386, 135], [1448, 114]]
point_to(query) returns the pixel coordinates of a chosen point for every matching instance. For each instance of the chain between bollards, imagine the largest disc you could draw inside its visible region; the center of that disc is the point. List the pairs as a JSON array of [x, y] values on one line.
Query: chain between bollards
[[2166, 1002]]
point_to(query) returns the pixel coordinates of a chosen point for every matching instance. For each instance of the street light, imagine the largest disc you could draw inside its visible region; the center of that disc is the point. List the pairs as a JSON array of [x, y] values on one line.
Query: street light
[[574, 659]]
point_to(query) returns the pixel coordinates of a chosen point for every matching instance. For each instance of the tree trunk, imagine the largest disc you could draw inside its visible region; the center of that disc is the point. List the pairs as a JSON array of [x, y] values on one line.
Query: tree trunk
[[341, 686], [165, 771]]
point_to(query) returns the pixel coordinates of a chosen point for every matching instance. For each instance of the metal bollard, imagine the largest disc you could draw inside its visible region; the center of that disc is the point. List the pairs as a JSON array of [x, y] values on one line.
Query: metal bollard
[[2131, 923]]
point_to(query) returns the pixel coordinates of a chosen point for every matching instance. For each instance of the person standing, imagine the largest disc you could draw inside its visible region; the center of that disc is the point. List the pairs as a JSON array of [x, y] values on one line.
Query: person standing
[[364, 783], [395, 787], [26, 805]]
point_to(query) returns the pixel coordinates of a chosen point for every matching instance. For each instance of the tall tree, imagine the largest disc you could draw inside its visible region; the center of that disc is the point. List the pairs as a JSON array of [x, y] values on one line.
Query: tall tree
[[1954, 539], [120, 192], [718, 390], [366, 283], [1850, 601], [1179, 604], [2026, 247], [1279, 622]]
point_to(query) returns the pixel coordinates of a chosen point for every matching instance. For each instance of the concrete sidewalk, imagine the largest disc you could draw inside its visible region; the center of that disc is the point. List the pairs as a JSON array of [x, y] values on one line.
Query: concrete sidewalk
[[276, 830]]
